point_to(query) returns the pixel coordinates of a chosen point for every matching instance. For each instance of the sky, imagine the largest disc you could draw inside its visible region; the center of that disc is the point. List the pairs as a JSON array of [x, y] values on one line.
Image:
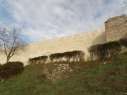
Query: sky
[[45, 19]]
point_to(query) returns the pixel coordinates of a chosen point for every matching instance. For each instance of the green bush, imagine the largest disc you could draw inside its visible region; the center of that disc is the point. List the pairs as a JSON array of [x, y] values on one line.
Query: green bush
[[123, 42], [106, 50], [10, 69]]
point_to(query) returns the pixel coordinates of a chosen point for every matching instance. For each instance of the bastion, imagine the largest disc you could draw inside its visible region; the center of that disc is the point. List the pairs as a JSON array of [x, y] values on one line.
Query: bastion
[[116, 28]]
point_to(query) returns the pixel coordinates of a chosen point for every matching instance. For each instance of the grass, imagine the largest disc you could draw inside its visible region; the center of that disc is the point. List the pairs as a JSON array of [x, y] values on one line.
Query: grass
[[87, 79]]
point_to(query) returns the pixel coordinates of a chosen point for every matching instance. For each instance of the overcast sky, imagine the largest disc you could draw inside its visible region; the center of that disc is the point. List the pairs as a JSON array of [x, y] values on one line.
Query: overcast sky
[[42, 19]]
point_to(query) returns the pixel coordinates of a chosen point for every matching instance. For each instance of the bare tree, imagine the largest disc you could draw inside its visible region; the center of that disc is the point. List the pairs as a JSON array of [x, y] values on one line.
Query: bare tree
[[10, 42]]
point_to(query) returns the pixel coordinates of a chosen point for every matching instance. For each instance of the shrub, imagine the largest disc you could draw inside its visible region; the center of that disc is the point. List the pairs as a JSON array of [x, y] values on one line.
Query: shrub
[[123, 42], [98, 51], [106, 50], [10, 69], [113, 48]]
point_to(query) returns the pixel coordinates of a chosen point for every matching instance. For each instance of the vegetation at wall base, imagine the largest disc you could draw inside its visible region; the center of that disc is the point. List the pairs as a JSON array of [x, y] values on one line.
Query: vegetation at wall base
[[10, 69], [91, 78]]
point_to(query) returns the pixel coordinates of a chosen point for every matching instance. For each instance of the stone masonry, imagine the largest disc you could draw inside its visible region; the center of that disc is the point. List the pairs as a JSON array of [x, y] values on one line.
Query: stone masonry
[[116, 28]]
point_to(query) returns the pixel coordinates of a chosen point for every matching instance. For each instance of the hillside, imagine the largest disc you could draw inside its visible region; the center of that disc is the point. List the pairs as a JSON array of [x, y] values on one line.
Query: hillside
[[90, 78]]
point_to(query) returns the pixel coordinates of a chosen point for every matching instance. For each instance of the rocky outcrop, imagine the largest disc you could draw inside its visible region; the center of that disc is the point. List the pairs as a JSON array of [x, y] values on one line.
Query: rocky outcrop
[[55, 72]]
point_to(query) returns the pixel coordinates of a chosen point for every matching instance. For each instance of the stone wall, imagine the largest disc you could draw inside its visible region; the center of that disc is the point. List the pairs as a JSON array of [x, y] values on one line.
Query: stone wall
[[81, 41], [116, 28]]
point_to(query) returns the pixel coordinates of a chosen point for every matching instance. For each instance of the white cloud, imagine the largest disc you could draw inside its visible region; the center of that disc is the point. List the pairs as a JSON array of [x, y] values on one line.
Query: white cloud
[[54, 18]]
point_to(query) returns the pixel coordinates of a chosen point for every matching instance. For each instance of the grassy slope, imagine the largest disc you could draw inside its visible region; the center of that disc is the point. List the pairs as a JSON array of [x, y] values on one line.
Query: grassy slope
[[90, 79]]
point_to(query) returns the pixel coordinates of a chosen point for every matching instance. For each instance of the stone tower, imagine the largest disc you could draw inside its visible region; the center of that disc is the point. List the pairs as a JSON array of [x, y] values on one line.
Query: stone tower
[[116, 28]]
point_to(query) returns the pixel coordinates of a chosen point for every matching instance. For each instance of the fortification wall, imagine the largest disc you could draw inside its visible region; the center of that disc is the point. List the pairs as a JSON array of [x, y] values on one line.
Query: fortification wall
[[80, 41], [116, 28]]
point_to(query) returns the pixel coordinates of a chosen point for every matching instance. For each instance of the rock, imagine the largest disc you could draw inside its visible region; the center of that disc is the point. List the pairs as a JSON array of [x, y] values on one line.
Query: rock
[[58, 71]]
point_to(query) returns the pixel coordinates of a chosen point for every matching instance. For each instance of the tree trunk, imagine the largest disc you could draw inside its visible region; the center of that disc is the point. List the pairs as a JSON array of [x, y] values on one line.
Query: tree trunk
[[8, 58]]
